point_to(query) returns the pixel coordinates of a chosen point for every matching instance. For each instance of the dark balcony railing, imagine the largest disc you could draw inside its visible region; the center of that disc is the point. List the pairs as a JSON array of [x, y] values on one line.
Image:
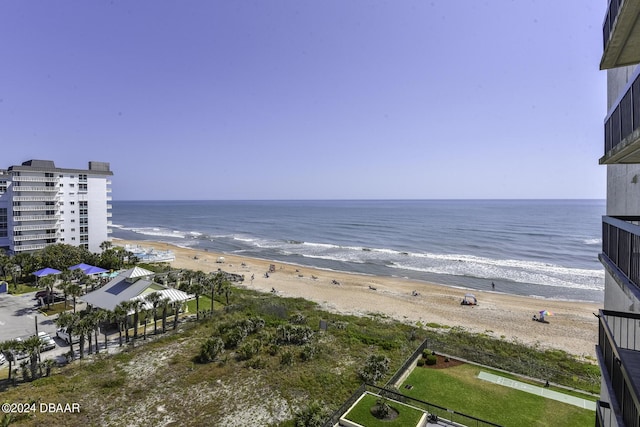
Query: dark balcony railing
[[610, 20], [619, 344], [624, 119], [621, 244]]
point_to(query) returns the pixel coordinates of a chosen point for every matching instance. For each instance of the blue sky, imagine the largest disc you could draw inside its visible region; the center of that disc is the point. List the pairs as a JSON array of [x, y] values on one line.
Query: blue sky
[[310, 99]]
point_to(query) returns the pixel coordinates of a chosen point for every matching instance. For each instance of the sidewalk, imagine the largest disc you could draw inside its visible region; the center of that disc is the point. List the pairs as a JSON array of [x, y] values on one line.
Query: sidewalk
[[540, 391]]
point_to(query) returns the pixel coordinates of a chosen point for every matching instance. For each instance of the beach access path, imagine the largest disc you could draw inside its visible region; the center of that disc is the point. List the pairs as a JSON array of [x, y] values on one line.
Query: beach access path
[[573, 328]]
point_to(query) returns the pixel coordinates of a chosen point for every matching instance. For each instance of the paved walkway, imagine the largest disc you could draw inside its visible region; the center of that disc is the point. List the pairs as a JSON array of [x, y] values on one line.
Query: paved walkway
[[540, 391]]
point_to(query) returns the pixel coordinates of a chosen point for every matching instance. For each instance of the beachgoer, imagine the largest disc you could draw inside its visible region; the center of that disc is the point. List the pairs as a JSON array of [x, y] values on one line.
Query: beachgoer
[[493, 285]]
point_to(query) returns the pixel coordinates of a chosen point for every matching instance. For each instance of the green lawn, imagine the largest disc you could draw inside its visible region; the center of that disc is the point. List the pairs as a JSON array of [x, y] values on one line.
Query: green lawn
[[361, 414], [459, 389]]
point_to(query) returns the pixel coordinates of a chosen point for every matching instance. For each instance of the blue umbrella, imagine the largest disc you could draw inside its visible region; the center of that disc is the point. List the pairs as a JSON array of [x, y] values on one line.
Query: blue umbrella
[[45, 272], [81, 266], [94, 270]]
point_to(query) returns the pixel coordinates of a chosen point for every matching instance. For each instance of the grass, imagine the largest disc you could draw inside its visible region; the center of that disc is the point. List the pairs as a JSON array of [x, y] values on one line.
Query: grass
[[56, 308], [22, 288], [361, 413], [459, 389], [163, 377]]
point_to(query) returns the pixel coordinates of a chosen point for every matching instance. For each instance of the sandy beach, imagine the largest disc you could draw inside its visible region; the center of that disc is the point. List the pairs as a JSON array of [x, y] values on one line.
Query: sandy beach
[[572, 328]]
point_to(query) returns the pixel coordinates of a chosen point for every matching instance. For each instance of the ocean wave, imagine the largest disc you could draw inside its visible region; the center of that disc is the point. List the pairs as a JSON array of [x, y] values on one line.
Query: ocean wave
[[156, 232], [597, 241]]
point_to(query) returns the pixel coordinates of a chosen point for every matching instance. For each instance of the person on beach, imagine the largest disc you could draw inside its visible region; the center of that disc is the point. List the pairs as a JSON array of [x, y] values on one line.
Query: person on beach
[[493, 285]]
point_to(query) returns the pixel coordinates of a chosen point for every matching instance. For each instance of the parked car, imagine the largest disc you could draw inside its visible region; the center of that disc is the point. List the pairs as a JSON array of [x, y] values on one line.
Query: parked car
[[43, 293], [50, 298], [64, 336], [2, 358], [47, 342]]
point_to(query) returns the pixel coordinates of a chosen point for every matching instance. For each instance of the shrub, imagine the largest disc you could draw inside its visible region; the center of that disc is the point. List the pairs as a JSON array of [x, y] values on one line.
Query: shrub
[[286, 358], [257, 363], [420, 362], [375, 367], [234, 337], [431, 359], [312, 416], [210, 349], [294, 334], [308, 352], [248, 349], [298, 319]]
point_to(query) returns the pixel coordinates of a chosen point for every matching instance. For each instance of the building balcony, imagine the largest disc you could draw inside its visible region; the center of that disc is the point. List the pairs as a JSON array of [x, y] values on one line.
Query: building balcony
[[24, 248], [21, 178], [619, 358], [622, 127], [36, 198], [36, 218], [621, 250], [28, 237], [621, 34], [29, 188], [35, 208], [35, 227]]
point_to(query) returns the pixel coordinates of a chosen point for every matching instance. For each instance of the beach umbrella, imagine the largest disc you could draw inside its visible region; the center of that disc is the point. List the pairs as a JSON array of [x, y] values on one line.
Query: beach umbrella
[[545, 313]]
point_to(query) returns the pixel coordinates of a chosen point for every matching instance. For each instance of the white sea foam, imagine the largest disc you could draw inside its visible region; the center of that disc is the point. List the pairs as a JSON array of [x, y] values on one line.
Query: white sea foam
[[593, 241]]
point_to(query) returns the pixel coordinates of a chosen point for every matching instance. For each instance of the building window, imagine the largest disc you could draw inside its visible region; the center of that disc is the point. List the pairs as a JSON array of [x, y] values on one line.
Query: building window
[[3, 222]]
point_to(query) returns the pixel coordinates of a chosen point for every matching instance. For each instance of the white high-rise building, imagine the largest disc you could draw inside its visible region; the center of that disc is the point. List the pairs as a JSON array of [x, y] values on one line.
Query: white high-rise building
[[618, 346], [41, 204]]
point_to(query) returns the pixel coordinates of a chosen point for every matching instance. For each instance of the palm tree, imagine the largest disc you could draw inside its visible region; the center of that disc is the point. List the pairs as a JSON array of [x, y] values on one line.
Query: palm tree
[[47, 282], [64, 287], [164, 303], [32, 346], [154, 299], [198, 287], [136, 306], [7, 348], [68, 320], [82, 327], [101, 317], [213, 283], [176, 308], [75, 291], [120, 315]]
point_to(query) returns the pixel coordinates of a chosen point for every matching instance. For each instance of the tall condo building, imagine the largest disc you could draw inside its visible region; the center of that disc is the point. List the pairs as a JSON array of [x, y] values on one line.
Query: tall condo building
[[41, 204], [618, 346]]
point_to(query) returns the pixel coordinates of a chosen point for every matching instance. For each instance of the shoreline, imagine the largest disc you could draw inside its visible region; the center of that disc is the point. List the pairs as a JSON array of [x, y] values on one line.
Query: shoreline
[[573, 327]]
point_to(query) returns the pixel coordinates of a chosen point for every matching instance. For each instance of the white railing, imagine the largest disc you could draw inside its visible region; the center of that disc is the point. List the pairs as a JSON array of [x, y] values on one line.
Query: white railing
[[109, 214], [29, 247], [36, 218], [20, 188], [109, 206], [35, 198], [34, 208], [34, 179], [35, 227], [34, 237]]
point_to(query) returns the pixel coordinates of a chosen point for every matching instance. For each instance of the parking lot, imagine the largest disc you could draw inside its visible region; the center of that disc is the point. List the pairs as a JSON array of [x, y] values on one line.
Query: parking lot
[[19, 317]]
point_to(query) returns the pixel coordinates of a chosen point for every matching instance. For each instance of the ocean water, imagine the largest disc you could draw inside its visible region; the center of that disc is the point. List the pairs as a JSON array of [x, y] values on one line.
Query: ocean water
[[543, 248]]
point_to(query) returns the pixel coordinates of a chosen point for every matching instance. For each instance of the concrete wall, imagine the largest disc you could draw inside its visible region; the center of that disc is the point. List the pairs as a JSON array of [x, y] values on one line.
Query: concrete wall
[[623, 190]]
